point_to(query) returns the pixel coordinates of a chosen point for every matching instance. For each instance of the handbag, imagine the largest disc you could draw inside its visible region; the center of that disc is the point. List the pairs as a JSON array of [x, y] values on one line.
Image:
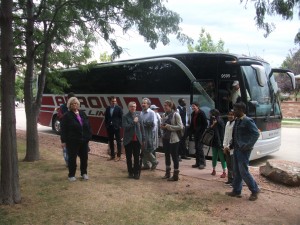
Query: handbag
[[180, 133], [207, 136]]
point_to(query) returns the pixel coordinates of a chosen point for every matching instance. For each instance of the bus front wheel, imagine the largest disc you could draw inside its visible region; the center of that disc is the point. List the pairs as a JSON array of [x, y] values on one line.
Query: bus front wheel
[[56, 125]]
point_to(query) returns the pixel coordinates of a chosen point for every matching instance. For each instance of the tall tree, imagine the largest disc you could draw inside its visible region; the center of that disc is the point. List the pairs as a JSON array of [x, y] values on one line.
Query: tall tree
[[9, 180], [60, 32], [206, 44], [52, 33], [283, 8], [292, 62]]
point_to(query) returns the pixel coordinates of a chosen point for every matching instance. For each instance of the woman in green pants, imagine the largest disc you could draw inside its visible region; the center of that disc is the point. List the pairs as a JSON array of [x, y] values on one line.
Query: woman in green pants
[[217, 124]]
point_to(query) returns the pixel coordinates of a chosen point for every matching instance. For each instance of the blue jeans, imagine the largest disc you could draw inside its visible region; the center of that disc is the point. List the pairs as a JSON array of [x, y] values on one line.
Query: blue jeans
[[241, 172]]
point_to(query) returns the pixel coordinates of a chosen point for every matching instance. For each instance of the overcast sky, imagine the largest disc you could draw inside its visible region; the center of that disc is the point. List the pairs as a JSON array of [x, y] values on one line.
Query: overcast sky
[[223, 19]]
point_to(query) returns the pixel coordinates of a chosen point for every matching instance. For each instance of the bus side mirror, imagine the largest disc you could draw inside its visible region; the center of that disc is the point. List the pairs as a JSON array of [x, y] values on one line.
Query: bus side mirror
[[260, 74], [293, 80]]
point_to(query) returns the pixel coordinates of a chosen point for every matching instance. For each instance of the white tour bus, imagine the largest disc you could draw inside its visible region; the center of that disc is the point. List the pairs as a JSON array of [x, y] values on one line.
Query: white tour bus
[[203, 77]]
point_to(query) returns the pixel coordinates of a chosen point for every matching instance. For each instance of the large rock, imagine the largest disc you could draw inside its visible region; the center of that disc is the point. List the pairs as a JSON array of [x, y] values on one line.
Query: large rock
[[282, 171]]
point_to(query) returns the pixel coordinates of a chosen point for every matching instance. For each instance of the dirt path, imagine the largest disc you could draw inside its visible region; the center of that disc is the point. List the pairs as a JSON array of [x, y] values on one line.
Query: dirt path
[[277, 204]]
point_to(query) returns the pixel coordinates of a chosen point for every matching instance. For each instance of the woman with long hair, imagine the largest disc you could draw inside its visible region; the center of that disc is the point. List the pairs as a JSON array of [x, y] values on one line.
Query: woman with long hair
[[171, 124], [217, 124]]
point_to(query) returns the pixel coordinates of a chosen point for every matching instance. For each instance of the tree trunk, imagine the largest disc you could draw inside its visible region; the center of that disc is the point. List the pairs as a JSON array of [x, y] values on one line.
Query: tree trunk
[[31, 108], [32, 138], [9, 183]]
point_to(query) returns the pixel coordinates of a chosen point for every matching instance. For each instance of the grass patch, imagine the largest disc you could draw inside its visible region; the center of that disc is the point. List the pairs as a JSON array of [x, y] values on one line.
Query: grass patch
[[109, 197], [291, 120], [291, 123]]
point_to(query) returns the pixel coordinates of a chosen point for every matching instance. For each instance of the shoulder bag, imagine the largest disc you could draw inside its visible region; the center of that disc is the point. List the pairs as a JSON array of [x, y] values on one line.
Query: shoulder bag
[[207, 136]]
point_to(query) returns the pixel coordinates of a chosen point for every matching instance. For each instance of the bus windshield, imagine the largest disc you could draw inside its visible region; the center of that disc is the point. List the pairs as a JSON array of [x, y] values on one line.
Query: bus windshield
[[259, 96]]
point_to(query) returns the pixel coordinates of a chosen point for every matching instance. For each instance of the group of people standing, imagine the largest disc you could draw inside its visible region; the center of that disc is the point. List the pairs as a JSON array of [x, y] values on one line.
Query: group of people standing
[[143, 130]]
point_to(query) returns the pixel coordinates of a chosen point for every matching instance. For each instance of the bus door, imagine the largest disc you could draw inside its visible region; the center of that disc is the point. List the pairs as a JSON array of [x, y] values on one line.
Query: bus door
[[204, 93]]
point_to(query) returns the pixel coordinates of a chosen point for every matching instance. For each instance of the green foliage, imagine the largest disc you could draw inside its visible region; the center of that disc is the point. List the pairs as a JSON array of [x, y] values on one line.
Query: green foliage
[[64, 32], [292, 62], [206, 44], [19, 88], [283, 8], [105, 57], [56, 83], [71, 26]]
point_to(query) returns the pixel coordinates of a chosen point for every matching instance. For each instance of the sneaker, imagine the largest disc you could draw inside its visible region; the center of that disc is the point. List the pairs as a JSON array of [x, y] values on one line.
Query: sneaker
[[195, 166], [201, 167], [85, 177], [213, 173], [223, 175], [153, 167], [233, 194], [117, 159], [136, 176], [254, 196], [72, 179]]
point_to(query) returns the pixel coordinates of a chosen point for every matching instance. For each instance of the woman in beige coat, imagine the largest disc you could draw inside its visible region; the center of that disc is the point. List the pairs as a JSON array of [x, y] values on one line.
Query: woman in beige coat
[[171, 125]]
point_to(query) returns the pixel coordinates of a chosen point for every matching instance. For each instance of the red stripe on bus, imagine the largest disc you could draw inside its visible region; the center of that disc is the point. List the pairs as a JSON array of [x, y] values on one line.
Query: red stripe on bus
[[51, 109], [45, 118], [47, 100], [156, 101], [133, 99]]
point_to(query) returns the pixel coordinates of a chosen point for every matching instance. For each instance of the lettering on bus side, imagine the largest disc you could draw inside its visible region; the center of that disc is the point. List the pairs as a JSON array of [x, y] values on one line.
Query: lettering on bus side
[[59, 100], [93, 102], [92, 112], [96, 105]]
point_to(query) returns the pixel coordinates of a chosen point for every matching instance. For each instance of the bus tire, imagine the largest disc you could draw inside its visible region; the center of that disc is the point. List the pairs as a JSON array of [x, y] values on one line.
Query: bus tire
[[56, 125]]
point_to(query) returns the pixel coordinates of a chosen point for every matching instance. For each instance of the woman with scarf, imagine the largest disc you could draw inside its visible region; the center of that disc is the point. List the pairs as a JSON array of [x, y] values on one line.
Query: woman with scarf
[[171, 124]]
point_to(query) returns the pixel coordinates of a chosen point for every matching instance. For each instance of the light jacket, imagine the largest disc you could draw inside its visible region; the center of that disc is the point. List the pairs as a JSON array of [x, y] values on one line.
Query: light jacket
[[176, 125], [228, 135]]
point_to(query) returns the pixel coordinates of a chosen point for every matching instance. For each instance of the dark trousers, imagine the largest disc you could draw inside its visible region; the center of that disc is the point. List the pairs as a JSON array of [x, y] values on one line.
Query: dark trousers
[[200, 157], [80, 150], [133, 149], [114, 133], [229, 162], [182, 149], [171, 150]]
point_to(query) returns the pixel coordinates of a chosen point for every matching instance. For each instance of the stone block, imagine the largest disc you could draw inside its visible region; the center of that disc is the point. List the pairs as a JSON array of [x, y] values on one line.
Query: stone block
[[282, 171]]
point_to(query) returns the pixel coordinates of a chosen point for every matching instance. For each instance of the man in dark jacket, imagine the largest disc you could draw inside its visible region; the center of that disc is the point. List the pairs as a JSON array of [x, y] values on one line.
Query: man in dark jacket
[[133, 139], [113, 124], [183, 151], [197, 127]]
